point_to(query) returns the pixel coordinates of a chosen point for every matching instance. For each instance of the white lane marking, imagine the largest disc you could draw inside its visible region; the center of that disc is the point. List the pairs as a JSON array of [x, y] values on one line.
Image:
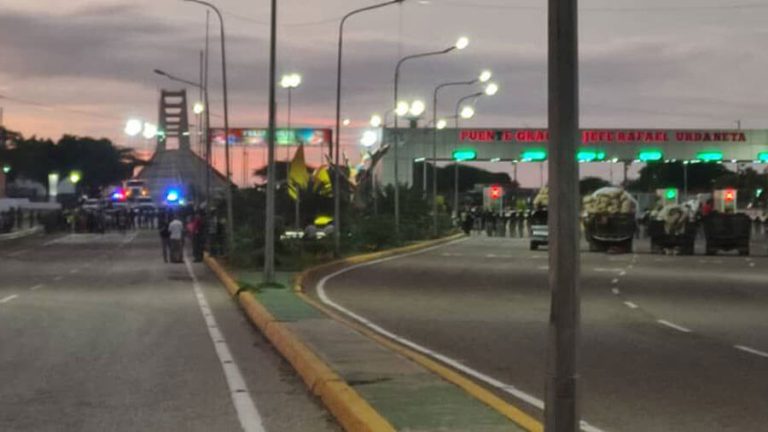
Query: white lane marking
[[546, 267], [615, 280], [58, 278], [607, 270], [9, 298], [615, 291], [507, 388], [131, 237], [630, 305], [751, 350], [751, 264], [490, 256], [249, 416], [674, 326], [37, 287], [74, 270], [539, 256], [622, 273], [631, 266], [451, 254]]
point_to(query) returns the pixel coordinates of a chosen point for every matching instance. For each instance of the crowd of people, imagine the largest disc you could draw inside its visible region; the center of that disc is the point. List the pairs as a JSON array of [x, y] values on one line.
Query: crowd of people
[[497, 223]]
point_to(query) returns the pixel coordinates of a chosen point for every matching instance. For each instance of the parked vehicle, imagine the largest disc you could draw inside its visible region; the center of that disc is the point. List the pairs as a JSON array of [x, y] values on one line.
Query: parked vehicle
[[724, 232], [610, 232], [539, 229]]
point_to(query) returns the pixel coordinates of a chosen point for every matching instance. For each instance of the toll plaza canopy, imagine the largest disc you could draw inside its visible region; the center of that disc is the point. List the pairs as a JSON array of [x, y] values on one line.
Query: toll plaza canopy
[[597, 145]]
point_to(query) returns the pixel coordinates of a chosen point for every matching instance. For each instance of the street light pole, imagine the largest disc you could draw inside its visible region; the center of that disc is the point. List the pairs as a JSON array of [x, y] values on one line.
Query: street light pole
[[230, 212], [456, 166], [460, 45], [336, 176], [435, 230], [290, 82], [562, 392], [269, 235]]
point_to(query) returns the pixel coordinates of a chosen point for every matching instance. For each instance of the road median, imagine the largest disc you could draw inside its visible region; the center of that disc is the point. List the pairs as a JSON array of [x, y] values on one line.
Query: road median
[[368, 382]]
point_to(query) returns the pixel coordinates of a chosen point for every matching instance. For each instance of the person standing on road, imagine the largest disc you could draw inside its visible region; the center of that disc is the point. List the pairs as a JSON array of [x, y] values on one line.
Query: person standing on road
[[165, 239], [176, 229], [196, 230]]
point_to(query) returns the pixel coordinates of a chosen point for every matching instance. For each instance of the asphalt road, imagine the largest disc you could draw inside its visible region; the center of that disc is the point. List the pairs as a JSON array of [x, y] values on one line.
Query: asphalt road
[[668, 343], [97, 334]]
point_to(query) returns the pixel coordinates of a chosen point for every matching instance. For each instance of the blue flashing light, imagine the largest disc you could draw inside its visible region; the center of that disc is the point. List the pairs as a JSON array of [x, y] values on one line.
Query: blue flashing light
[[172, 196]]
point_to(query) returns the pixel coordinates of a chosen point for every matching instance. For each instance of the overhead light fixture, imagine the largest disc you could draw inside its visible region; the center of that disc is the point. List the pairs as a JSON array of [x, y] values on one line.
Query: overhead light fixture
[[417, 108], [462, 43]]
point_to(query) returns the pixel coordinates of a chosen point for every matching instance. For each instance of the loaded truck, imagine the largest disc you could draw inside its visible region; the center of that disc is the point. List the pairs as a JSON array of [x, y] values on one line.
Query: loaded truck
[[672, 226], [724, 229], [609, 220]]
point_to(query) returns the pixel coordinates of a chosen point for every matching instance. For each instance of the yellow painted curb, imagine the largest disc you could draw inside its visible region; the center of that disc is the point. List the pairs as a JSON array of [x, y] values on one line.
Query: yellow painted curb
[[358, 259], [351, 411], [478, 392]]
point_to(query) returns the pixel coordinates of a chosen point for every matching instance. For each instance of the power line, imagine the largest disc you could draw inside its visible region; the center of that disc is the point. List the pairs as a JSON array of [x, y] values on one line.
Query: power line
[[56, 107]]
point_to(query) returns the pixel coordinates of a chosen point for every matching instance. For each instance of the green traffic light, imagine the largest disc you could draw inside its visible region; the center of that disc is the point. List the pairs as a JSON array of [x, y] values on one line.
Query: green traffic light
[[464, 155], [650, 155], [537, 155], [763, 157], [6, 169], [671, 193]]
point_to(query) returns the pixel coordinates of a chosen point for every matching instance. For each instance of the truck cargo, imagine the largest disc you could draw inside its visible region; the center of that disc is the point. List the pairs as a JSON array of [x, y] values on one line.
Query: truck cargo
[[608, 218], [673, 229]]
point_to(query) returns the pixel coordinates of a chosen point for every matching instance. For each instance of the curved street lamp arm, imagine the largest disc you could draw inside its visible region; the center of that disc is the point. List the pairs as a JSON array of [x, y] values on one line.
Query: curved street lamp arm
[[465, 98], [175, 78], [336, 179]]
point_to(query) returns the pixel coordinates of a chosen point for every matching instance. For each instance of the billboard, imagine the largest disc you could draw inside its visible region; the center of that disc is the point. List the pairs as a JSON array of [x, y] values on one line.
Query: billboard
[[257, 137]]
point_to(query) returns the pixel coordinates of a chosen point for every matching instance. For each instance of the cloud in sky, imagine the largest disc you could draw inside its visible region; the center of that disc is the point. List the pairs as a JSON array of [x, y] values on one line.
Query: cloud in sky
[[644, 63]]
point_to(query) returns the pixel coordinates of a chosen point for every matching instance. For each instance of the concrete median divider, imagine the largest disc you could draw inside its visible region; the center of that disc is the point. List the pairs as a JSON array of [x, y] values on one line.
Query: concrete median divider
[[350, 410], [373, 409]]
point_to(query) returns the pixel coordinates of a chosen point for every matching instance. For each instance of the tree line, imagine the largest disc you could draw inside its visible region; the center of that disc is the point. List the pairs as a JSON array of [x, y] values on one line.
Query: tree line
[[99, 161]]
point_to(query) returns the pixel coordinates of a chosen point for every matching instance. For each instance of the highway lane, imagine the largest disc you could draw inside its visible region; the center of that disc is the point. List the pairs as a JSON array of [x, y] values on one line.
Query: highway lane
[[97, 334], [657, 348]]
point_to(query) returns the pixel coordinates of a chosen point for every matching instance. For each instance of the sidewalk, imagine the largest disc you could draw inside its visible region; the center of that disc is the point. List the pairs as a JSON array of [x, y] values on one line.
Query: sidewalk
[[21, 233], [407, 395]]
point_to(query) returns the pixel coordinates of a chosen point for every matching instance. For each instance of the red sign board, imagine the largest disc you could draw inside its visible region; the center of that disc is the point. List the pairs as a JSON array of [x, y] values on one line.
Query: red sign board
[[595, 136]]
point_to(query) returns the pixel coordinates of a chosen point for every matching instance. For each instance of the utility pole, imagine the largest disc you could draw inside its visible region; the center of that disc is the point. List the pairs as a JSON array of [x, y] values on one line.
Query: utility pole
[[269, 235], [562, 409], [208, 157]]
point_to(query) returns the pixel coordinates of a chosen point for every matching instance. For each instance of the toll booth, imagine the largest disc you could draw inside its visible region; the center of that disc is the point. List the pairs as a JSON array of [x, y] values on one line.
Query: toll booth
[[725, 200], [493, 198], [668, 196]]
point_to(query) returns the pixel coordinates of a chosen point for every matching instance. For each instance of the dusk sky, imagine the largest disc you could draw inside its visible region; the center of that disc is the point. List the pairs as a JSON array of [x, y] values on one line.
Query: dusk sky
[[85, 66]]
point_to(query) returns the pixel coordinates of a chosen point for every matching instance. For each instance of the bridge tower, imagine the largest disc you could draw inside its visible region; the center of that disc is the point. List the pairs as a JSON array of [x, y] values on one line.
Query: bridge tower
[[173, 123]]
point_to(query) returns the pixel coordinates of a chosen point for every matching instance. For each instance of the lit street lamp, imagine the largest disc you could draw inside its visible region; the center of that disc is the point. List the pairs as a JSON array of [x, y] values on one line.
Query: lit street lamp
[[484, 77], [336, 177], [133, 127], [466, 112], [460, 44], [290, 82], [230, 217]]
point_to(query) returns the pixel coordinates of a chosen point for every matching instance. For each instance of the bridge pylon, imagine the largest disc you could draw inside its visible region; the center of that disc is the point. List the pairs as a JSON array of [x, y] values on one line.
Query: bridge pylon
[[173, 122]]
